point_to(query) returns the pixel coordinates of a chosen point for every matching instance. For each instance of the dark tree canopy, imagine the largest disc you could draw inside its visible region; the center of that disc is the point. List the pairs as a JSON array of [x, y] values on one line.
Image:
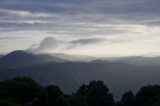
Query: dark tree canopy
[[52, 94], [24, 91], [146, 94], [82, 90], [98, 94], [95, 93], [128, 99], [53, 91]]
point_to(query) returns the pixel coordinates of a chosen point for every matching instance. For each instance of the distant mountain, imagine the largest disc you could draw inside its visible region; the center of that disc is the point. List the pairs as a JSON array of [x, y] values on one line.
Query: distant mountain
[[1, 56], [100, 61], [46, 69], [119, 77], [73, 58], [137, 60], [152, 61], [21, 58]]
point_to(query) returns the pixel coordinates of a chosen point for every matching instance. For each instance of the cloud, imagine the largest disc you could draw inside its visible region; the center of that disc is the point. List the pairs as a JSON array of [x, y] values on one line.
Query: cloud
[[86, 6], [84, 21], [45, 44], [13, 38], [83, 42], [86, 41], [40, 13], [50, 43]]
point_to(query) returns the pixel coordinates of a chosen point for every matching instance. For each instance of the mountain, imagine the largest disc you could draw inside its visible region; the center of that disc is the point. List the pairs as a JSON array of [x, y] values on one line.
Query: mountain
[[1, 56], [73, 58], [119, 77], [22, 58], [137, 60], [147, 61]]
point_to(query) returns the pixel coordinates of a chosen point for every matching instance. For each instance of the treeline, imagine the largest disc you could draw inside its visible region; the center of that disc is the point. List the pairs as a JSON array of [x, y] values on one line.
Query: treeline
[[26, 92]]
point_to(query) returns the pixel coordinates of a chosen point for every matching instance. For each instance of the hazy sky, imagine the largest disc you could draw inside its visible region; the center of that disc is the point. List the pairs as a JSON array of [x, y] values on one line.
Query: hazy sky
[[86, 27]]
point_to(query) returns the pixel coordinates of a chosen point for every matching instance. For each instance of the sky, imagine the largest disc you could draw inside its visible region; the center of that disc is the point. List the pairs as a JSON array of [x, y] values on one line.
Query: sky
[[81, 27]]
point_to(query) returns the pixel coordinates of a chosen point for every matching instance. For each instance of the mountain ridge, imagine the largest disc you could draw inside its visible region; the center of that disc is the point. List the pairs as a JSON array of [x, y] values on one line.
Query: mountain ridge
[[20, 58], [119, 76]]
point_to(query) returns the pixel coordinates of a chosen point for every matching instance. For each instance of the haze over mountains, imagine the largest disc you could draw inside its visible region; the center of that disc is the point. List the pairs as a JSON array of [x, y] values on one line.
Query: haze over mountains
[[69, 74]]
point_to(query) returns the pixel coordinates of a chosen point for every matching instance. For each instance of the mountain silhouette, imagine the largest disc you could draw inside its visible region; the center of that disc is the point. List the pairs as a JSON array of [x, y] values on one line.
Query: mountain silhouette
[[20, 58], [119, 76]]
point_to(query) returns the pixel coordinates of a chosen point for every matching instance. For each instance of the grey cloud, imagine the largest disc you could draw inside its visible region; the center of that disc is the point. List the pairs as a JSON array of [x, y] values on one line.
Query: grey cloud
[[139, 7], [13, 38], [75, 6], [46, 43], [50, 43], [82, 42], [53, 44], [77, 19], [86, 41], [60, 15]]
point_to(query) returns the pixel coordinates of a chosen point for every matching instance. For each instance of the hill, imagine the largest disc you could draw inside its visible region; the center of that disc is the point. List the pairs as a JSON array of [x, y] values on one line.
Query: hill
[[119, 76], [22, 58]]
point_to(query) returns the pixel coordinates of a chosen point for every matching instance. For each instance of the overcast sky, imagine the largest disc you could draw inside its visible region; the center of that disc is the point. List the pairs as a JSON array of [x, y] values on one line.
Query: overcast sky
[[86, 27]]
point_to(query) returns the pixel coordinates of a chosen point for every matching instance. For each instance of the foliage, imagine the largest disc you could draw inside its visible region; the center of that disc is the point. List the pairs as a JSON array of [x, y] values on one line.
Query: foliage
[[146, 94], [127, 99], [24, 91]]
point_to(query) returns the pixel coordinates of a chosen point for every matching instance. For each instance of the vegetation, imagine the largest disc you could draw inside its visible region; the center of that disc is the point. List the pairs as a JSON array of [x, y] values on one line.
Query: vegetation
[[24, 91]]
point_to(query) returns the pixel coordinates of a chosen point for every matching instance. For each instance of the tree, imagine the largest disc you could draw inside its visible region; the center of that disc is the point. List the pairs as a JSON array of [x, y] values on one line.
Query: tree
[[128, 99], [63, 100], [98, 94], [95, 93], [9, 103], [24, 89], [146, 94], [79, 99], [52, 93], [155, 101], [82, 90]]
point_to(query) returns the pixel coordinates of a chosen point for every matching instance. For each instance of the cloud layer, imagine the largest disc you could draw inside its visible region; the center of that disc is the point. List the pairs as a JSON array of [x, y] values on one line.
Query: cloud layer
[[71, 24], [59, 15]]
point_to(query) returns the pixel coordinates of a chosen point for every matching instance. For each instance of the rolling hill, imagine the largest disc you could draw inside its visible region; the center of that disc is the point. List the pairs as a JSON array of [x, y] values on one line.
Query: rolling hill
[[119, 76]]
